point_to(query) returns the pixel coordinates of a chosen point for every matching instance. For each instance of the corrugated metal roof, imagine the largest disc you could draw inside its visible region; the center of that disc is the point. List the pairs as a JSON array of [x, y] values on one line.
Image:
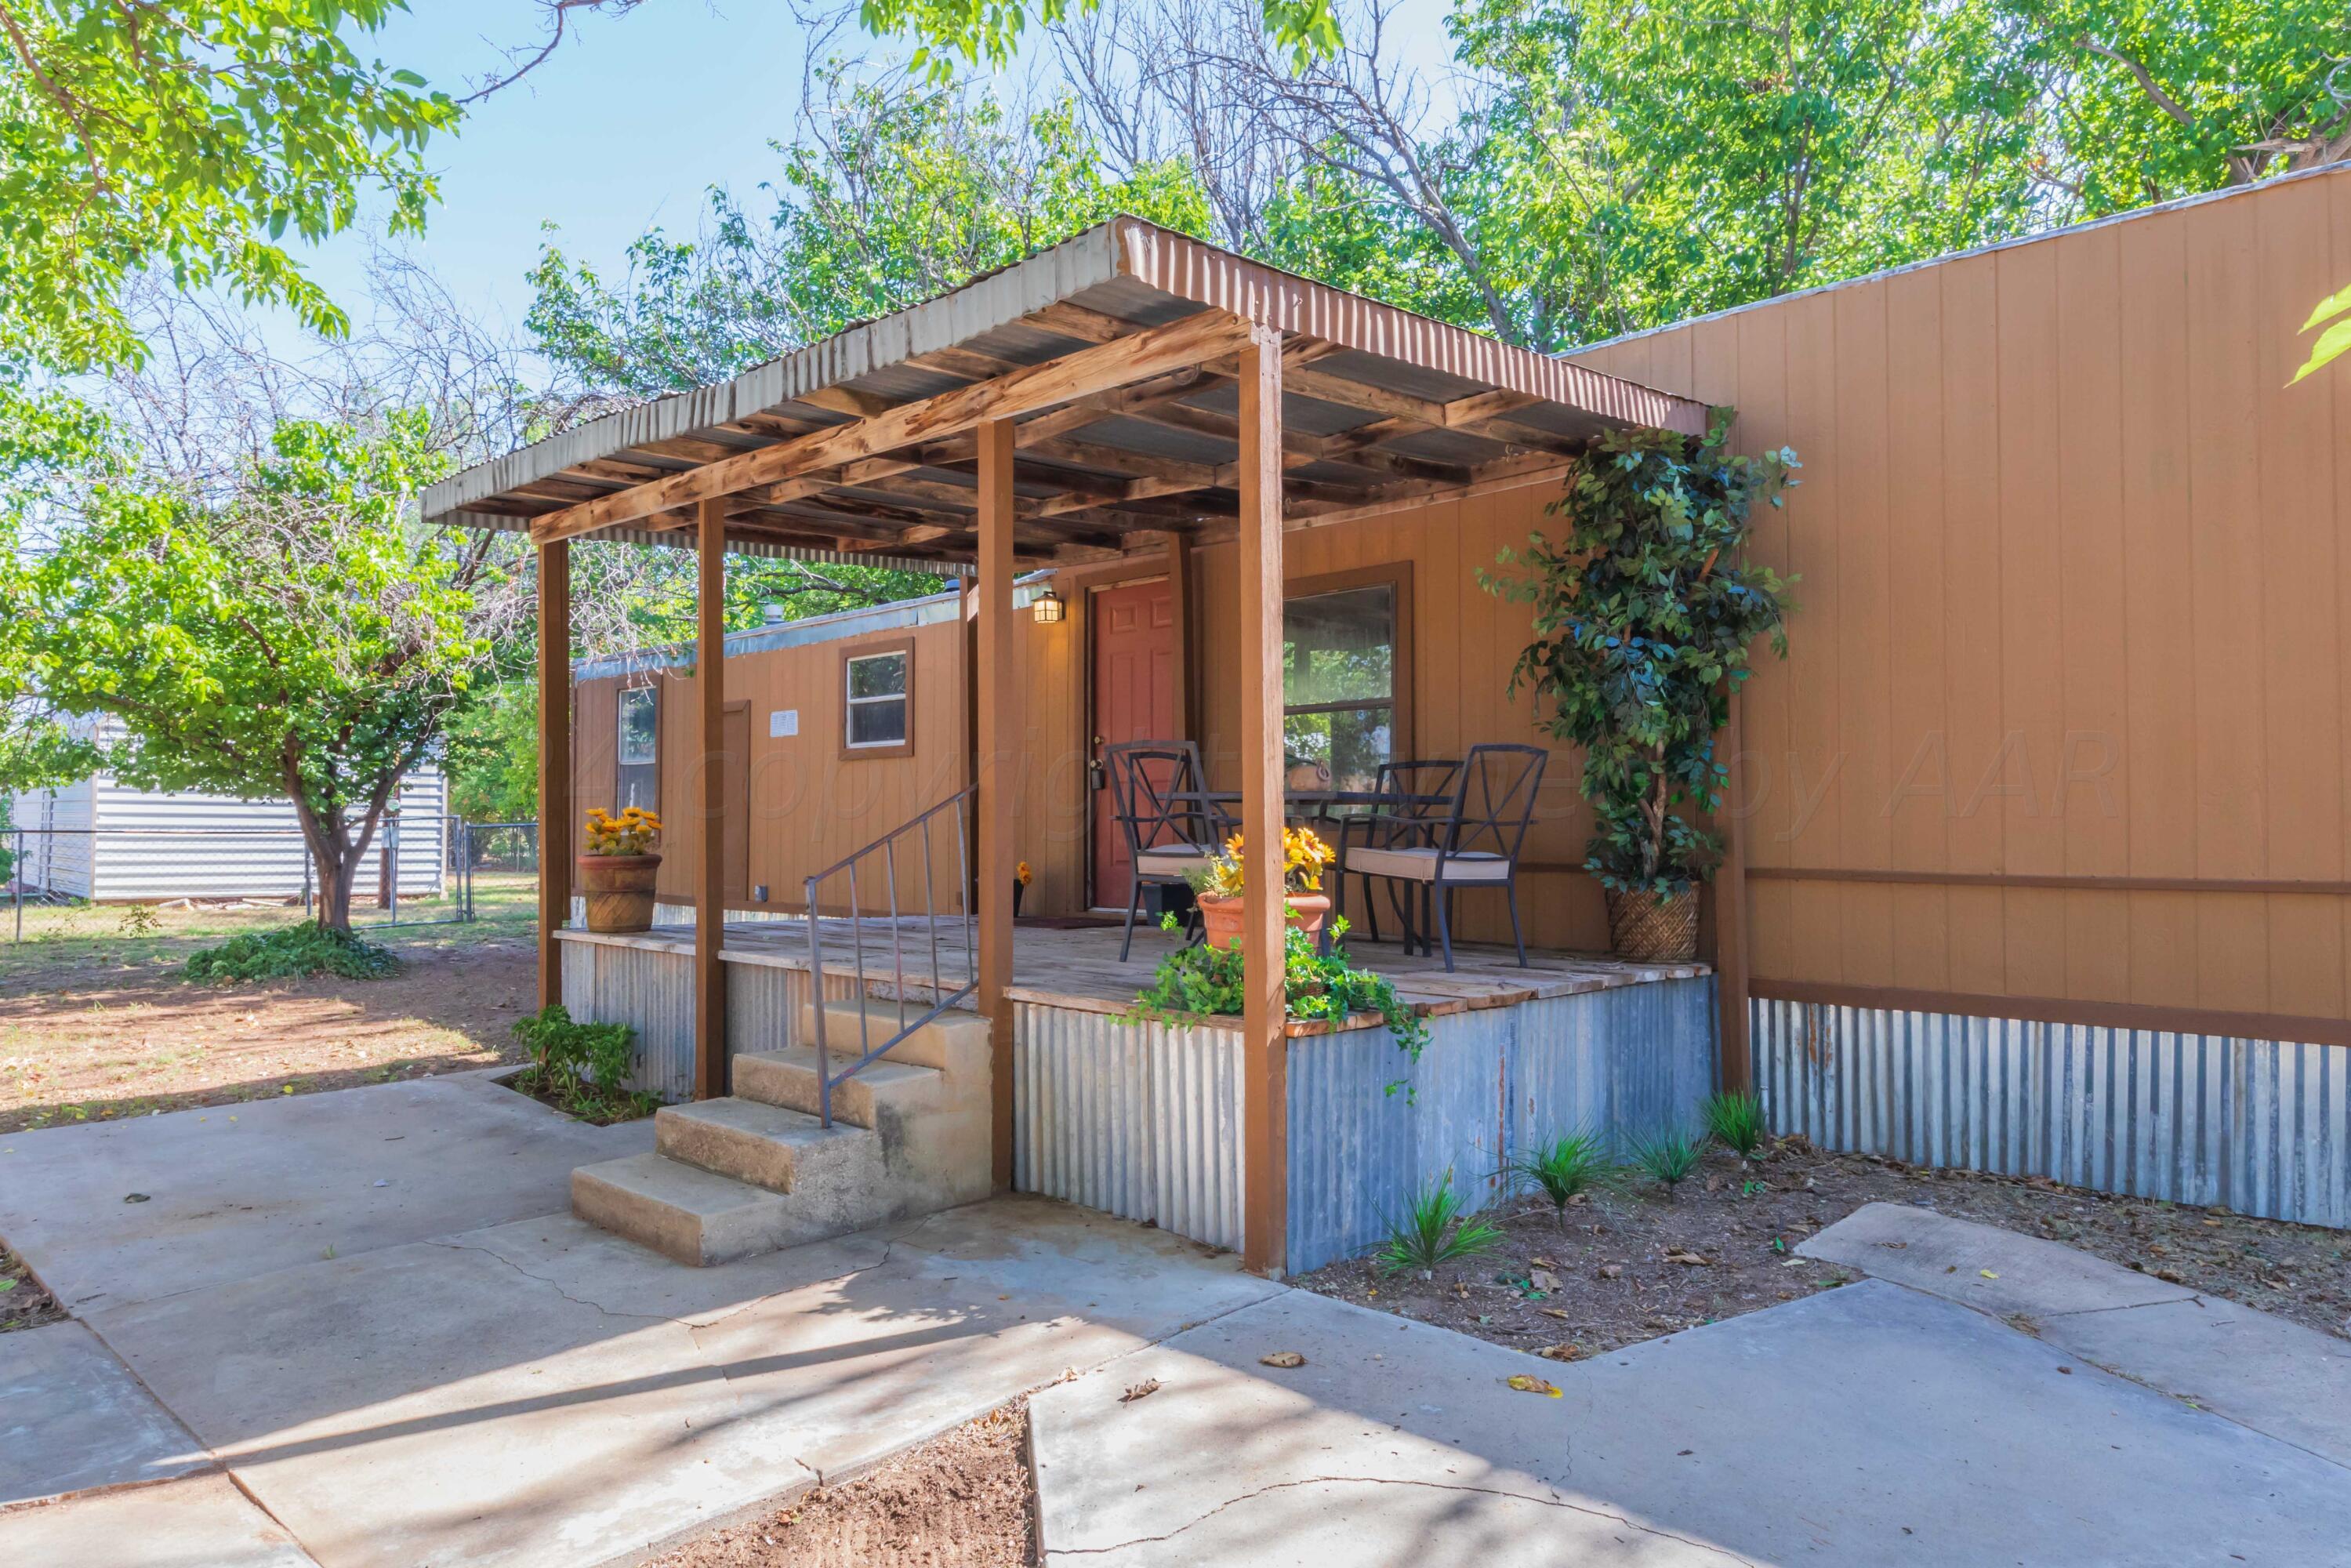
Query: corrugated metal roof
[[1130, 276]]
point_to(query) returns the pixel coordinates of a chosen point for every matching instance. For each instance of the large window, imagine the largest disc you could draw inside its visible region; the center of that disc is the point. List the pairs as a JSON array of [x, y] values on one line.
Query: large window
[[877, 690], [637, 748], [1346, 649]]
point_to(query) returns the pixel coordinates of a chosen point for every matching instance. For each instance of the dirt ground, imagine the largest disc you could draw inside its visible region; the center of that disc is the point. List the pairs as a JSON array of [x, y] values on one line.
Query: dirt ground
[[964, 1500], [24, 1304], [1630, 1265], [103, 1026]]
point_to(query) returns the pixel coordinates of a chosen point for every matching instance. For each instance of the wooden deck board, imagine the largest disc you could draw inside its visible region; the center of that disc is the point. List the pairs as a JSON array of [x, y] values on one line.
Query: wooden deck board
[[1079, 969]]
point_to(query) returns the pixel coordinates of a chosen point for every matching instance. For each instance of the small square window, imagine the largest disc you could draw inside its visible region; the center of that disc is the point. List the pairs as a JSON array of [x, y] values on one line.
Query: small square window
[[878, 696]]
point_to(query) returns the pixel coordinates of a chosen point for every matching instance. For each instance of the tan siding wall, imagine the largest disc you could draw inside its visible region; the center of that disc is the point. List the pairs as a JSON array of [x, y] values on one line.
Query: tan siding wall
[[2075, 603]]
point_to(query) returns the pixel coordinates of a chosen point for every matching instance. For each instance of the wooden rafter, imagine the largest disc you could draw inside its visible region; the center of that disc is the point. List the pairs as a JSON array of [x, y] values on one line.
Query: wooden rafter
[[1178, 345]]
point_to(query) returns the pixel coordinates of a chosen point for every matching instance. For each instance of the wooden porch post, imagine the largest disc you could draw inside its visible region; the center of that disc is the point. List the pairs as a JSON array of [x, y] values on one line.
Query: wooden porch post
[[993, 771], [1265, 1092], [710, 801], [554, 763], [1738, 1068], [1179, 610]]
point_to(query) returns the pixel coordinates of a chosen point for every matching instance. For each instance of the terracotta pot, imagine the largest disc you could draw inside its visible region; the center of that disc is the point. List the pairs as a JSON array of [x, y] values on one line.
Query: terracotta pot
[[1222, 916], [618, 892], [1648, 928]]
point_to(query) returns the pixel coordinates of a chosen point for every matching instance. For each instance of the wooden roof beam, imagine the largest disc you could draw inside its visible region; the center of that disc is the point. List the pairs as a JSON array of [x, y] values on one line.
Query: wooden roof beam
[[1153, 352]]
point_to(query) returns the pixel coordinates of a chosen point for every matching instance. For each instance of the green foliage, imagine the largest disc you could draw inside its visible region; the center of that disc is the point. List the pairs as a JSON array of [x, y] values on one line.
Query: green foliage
[[491, 755], [191, 137], [912, 191], [1735, 1119], [1643, 616], [299, 638], [1669, 1156], [1434, 1230], [1201, 982], [1568, 1165], [579, 1067], [988, 32], [2333, 343], [289, 953]]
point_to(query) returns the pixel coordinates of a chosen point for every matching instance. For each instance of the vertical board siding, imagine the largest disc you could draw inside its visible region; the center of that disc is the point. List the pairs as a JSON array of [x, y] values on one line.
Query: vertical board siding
[[1490, 1084], [2256, 1125], [1142, 1121], [2074, 602]]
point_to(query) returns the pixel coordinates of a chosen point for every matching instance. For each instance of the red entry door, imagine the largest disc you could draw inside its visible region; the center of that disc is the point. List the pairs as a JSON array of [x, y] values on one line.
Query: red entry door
[[1135, 700]]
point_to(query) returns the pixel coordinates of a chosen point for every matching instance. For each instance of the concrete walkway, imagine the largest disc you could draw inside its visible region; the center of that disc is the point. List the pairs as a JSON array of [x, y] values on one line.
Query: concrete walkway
[[328, 1339], [413, 1389], [1871, 1425]]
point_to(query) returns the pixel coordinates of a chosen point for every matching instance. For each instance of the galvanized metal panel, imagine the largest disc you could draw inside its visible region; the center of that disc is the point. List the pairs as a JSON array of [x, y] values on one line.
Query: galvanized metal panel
[[648, 990], [2257, 1125], [1490, 1084], [1138, 1120]]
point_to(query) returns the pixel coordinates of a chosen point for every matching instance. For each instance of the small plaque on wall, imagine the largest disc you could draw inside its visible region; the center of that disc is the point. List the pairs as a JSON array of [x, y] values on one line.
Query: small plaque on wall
[[784, 721]]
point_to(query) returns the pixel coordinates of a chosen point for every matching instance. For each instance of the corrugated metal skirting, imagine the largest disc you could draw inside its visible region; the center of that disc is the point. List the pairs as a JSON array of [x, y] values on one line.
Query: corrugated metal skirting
[[1137, 1120], [1489, 1083], [653, 992], [2260, 1126]]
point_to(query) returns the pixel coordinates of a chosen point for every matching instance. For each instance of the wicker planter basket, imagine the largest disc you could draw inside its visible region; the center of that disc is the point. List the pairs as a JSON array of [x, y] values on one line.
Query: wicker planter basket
[[618, 892], [1650, 929]]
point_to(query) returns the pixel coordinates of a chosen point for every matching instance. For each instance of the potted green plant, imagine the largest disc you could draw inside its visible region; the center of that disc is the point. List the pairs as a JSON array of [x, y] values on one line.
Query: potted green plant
[[617, 868], [1218, 886], [1643, 616]]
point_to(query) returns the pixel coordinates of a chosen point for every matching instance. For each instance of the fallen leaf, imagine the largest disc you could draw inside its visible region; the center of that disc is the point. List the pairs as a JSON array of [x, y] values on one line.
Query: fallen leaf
[[1527, 1384], [1693, 1259], [1987, 1273], [1282, 1358], [1554, 1312], [1560, 1352], [2170, 1276], [1142, 1390], [1543, 1280], [1610, 1270], [1543, 1264]]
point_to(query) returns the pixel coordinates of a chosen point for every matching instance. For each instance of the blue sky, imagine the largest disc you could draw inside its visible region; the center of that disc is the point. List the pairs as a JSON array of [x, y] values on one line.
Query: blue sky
[[627, 126]]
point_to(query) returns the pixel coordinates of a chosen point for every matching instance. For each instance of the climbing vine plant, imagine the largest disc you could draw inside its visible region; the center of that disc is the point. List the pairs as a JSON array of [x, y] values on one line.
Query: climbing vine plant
[[1645, 612]]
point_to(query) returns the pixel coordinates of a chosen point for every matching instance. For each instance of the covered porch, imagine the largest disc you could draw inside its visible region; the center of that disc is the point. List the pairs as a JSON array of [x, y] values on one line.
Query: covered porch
[[1131, 395]]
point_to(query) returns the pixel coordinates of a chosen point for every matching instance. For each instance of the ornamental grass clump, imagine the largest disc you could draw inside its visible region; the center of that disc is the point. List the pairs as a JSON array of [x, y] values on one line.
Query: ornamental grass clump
[[1734, 1118], [1434, 1230], [1563, 1169], [1669, 1156]]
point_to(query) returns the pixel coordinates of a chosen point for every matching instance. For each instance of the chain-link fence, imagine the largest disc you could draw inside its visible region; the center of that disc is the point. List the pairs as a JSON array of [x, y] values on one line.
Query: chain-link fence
[[203, 879]]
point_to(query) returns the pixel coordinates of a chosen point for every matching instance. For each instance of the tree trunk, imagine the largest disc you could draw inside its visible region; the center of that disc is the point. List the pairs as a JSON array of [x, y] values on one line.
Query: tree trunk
[[334, 862]]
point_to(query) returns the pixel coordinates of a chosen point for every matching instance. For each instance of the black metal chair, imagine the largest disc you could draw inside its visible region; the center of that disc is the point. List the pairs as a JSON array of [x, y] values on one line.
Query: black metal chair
[[1406, 823], [1474, 845], [1157, 789]]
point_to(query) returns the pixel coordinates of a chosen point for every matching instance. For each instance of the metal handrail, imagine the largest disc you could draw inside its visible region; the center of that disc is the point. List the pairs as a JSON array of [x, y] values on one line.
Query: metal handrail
[[886, 846]]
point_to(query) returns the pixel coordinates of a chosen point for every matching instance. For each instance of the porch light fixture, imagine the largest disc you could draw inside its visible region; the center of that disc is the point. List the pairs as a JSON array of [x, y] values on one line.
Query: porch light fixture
[[1049, 607]]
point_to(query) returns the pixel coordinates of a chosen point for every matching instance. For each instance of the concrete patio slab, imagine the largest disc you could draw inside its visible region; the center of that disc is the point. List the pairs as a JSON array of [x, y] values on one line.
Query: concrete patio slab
[[540, 1394], [72, 1417], [234, 1191], [202, 1522], [2267, 1373], [1865, 1425]]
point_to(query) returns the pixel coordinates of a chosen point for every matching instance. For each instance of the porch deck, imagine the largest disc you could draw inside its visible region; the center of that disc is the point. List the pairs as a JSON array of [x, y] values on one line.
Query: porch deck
[[1078, 969]]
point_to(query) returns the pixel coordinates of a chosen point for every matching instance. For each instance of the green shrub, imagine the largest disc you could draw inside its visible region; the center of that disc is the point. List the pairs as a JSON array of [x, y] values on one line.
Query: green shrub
[[1199, 982], [1433, 1231], [290, 953], [1568, 1165], [1735, 1118], [579, 1067], [1670, 1156]]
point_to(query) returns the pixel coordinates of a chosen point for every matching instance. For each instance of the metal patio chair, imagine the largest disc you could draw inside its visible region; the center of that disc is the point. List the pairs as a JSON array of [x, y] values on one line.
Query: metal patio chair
[[1474, 844], [1157, 793], [1407, 823]]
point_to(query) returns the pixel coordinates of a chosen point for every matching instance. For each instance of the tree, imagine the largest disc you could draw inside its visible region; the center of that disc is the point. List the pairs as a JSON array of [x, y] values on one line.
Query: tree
[[986, 32], [300, 637]]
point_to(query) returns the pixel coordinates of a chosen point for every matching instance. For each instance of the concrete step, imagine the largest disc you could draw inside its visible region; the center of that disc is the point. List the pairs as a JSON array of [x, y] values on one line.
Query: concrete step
[[681, 1211], [886, 1088], [765, 1145], [956, 1042]]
